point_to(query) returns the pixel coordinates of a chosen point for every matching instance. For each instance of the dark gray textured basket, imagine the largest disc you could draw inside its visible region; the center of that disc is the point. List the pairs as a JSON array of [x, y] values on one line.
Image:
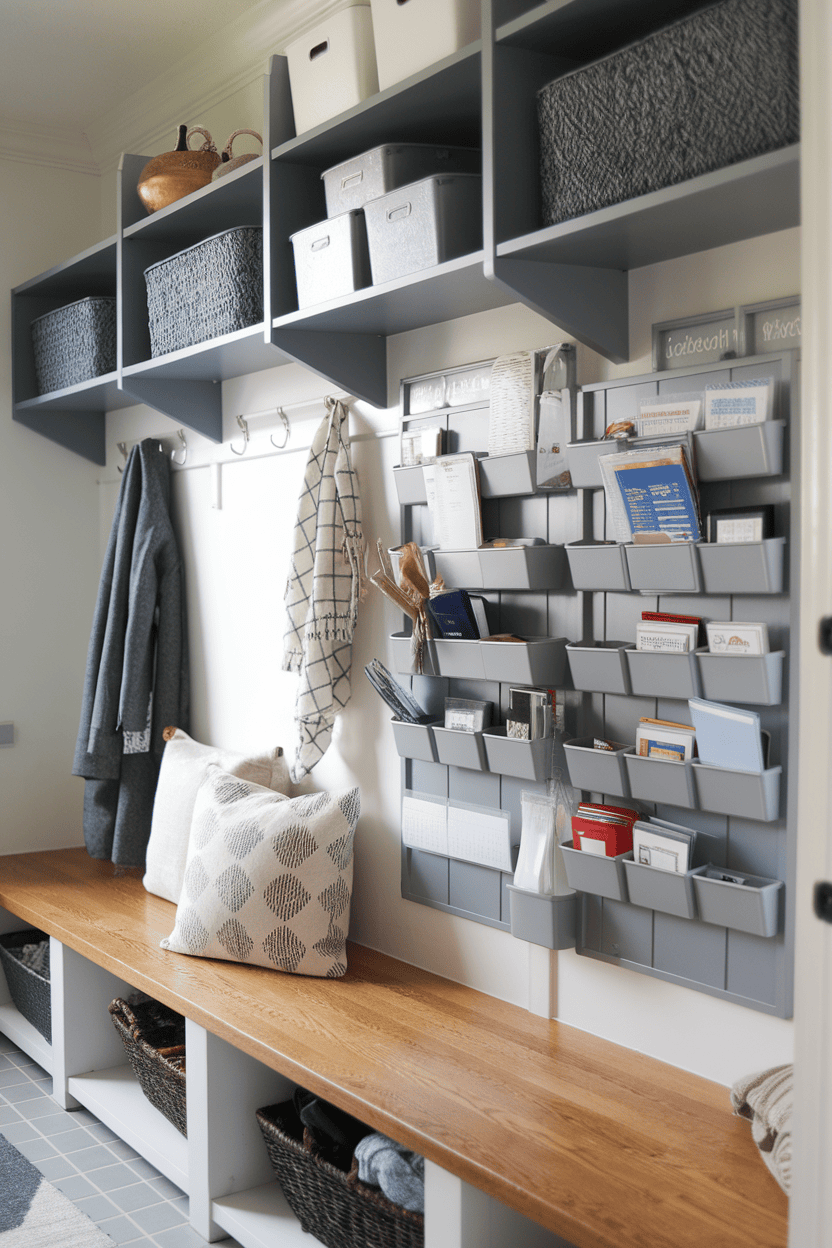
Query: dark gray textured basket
[[210, 289], [30, 990], [331, 1204], [717, 88], [74, 343], [154, 1040]]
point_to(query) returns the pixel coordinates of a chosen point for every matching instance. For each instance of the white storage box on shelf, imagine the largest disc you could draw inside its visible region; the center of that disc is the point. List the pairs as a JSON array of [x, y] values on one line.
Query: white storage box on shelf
[[332, 67], [352, 183], [424, 224], [331, 259], [412, 34]]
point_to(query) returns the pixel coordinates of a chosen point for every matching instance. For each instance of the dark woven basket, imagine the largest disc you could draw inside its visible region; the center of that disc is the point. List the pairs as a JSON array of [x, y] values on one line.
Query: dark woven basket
[[154, 1039], [329, 1203], [718, 87], [74, 343], [29, 989], [210, 289]]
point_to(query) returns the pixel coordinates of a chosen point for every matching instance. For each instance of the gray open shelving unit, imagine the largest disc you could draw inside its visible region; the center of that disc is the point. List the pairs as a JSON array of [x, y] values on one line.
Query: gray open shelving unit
[[574, 274]]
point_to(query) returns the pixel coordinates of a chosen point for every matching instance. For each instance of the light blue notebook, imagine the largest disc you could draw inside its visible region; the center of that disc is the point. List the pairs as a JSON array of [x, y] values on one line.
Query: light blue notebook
[[727, 736]]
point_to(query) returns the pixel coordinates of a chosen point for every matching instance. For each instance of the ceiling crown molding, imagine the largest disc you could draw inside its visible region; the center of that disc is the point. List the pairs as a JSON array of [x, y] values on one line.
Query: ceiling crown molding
[[219, 66], [46, 145]]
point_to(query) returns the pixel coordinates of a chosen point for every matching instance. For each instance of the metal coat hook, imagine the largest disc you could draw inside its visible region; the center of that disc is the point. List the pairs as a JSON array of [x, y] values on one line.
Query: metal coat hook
[[243, 423], [184, 449], [285, 419], [122, 446]]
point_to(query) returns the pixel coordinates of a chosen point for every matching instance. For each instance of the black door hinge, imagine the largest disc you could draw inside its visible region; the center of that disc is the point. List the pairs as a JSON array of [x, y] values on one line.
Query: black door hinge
[[825, 635], [823, 900]]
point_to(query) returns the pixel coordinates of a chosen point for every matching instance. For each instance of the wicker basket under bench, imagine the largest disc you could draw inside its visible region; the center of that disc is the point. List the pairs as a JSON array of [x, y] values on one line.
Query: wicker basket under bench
[[30, 989], [154, 1040], [332, 1204]]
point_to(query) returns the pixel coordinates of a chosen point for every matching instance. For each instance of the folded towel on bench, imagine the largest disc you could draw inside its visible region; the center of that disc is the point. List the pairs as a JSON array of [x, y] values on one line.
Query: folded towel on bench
[[766, 1099]]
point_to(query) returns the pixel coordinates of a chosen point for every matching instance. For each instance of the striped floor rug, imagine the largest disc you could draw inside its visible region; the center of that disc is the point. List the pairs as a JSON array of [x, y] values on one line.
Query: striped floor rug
[[34, 1214]]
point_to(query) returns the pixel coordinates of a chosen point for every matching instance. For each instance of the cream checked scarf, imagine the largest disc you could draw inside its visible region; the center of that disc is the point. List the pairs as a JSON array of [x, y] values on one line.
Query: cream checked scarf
[[324, 587]]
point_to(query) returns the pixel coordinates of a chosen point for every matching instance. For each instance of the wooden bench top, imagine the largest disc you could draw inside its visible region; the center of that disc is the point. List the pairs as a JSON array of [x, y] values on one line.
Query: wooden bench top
[[604, 1146]]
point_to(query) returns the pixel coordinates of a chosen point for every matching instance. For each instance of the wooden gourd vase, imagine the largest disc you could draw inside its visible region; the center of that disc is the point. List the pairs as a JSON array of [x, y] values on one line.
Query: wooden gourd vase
[[168, 177]]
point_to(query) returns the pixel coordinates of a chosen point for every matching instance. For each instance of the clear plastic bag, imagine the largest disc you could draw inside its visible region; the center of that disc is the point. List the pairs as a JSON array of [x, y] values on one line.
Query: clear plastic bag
[[547, 823]]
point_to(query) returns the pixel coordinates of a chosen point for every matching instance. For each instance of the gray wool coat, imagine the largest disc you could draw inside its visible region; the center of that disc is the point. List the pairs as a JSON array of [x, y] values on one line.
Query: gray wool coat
[[136, 681]]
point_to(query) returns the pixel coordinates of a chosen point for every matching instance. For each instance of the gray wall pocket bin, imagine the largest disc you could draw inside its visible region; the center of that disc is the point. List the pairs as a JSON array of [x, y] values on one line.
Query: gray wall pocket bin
[[460, 749], [599, 667], [668, 891], [666, 568], [459, 569], [583, 457], [462, 659], [749, 794], [743, 567], [504, 475], [420, 226], [736, 59], [750, 907], [748, 451], [749, 678], [382, 169], [331, 259], [661, 675], [402, 655], [598, 565], [546, 919], [596, 771], [537, 661], [660, 780], [523, 567], [410, 485], [205, 291], [415, 740], [525, 760], [591, 873], [74, 343]]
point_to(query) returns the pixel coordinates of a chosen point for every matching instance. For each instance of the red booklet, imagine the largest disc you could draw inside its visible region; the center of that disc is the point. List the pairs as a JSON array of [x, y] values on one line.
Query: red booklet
[[610, 827]]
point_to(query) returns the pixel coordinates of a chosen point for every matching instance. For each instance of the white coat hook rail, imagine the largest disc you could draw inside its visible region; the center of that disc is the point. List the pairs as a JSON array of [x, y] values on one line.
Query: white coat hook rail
[[160, 438], [281, 413], [243, 423]]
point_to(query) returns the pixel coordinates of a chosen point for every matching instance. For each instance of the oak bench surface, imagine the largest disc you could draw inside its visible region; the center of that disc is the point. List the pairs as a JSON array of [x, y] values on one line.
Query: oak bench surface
[[604, 1146]]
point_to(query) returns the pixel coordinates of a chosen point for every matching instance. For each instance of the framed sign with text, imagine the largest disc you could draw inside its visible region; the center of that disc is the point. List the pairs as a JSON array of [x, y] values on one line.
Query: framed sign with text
[[770, 326], [691, 340]]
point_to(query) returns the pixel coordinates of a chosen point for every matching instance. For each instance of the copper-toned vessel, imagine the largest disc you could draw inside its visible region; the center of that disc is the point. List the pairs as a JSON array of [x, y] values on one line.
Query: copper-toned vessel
[[168, 177]]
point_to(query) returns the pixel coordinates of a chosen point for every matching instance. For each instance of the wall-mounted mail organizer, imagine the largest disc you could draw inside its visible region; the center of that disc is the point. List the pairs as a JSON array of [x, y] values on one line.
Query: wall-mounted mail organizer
[[705, 930], [528, 593]]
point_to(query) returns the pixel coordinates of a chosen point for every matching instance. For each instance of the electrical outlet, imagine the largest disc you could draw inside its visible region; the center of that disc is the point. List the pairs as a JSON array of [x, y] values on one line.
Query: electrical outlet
[[6, 734]]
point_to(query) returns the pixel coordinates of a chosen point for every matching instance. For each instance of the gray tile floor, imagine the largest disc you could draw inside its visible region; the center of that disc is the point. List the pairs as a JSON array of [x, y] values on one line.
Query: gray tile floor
[[126, 1196]]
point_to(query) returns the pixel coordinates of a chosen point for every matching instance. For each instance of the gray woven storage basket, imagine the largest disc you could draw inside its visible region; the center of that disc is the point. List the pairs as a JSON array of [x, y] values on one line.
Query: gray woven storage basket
[[153, 1036], [30, 989], [210, 289], [717, 88], [74, 343], [331, 1204]]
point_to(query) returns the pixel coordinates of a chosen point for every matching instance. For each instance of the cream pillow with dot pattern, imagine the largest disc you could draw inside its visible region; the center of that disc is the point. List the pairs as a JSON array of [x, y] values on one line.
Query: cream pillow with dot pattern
[[268, 878]]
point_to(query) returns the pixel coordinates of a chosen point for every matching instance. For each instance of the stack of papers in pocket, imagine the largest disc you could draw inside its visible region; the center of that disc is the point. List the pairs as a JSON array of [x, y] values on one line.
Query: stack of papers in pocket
[[727, 736]]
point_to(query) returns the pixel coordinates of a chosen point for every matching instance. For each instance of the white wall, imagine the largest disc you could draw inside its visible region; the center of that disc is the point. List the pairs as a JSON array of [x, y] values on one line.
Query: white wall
[[237, 560], [48, 537]]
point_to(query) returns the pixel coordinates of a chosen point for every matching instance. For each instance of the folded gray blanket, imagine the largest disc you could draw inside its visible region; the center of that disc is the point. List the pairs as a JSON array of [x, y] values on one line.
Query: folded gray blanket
[[399, 1173], [766, 1099]]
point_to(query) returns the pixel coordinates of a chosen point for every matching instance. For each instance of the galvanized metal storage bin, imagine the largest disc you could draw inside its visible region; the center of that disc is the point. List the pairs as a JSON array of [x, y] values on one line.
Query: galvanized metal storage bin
[[718, 87], [382, 169], [210, 289], [74, 343], [424, 224], [331, 258]]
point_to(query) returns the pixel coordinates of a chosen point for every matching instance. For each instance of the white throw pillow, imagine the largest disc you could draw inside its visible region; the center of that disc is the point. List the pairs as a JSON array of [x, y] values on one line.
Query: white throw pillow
[[185, 765], [269, 878]]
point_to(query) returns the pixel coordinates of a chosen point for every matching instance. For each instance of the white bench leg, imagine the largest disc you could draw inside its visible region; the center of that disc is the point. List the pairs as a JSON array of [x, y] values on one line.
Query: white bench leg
[[458, 1215], [83, 1036]]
